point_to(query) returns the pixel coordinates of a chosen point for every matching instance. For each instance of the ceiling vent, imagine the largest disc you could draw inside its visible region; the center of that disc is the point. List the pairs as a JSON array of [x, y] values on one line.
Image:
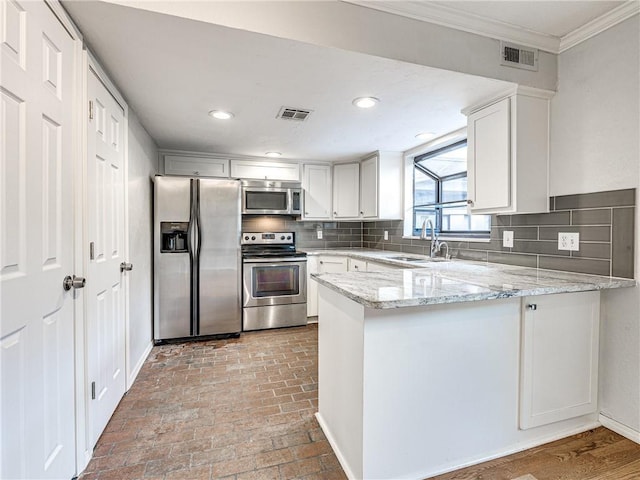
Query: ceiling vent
[[288, 113], [518, 56]]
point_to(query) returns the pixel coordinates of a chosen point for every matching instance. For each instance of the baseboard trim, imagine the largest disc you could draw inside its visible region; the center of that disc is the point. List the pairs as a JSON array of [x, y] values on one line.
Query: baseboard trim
[[521, 447], [334, 446], [136, 370], [620, 428]]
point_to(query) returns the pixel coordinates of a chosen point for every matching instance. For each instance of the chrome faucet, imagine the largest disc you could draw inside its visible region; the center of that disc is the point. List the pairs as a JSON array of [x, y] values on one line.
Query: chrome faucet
[[434, 240], [436, 245]]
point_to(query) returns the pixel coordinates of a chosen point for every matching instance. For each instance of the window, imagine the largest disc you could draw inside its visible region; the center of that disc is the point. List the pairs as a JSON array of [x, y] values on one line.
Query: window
[[440, 193]]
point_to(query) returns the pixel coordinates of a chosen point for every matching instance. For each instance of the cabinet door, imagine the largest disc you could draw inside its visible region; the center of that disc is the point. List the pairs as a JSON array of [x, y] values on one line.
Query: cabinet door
[[559, 376], [317, 191], [346, 190], [265, 170], [357, 265], [332, 264], [369, 188], [195, 166], [312, 287], [489, 158]]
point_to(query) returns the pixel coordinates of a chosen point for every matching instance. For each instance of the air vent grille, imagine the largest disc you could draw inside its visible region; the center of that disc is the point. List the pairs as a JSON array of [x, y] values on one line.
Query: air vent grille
[[298, 114], [518, 56]]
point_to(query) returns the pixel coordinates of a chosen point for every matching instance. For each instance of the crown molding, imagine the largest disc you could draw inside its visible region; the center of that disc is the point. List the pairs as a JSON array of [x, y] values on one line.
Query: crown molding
[[479, 25], [467, 22], [600, 24]]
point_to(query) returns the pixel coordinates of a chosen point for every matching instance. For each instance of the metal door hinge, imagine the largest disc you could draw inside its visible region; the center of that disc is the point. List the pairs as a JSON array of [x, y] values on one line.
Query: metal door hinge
[[92, 252], [93, 390], [90, 109]]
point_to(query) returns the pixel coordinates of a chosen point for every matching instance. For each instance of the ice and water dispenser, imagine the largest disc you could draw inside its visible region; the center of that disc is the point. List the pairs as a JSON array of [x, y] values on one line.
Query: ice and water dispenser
[[174, 237]]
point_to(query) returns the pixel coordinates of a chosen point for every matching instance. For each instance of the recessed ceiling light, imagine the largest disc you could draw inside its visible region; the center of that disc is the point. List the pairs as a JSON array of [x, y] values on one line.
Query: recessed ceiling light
[[365, 102], [273, 154], [221, 114], [425, 135]]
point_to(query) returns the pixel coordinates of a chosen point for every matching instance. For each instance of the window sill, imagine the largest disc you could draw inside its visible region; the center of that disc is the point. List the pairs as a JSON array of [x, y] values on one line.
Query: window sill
[[451, 238]]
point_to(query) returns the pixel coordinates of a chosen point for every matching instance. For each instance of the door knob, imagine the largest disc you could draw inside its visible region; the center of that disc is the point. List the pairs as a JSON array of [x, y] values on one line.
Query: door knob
[[70, 282], [124, 266]]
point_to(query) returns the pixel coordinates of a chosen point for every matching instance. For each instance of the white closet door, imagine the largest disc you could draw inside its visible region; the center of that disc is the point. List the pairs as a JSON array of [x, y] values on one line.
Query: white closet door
[[37, 429], [106, 374]]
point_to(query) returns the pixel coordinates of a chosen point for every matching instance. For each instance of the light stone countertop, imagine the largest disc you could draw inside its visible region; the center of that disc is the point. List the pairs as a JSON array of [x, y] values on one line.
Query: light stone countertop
[[431, 283]]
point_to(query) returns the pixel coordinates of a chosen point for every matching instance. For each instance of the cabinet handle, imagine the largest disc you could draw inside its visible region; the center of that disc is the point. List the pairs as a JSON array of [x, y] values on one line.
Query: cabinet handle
[[306, 213], [321, 262], [470, 202], [335, 213], [532, 306]]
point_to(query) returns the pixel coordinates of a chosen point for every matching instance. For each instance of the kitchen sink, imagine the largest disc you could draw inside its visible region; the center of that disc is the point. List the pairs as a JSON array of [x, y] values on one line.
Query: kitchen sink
[[409, 259]]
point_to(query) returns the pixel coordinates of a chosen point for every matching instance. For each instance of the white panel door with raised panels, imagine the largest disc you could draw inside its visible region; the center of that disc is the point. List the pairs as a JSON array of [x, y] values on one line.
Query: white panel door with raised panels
[[105, 225], [37, 429]]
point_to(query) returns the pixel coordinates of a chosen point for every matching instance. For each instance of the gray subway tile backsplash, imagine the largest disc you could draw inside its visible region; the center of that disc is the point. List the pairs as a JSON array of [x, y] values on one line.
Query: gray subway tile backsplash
[[579, 265], [605, 221], [614, 198], [622, 248], [599, 216]]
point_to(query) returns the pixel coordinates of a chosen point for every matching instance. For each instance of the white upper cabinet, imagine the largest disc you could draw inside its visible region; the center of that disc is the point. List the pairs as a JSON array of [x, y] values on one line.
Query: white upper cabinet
[[191, 165], [346, 190], [265, 170], [369, 188], [508, 154], [316, 183], [381, 186]]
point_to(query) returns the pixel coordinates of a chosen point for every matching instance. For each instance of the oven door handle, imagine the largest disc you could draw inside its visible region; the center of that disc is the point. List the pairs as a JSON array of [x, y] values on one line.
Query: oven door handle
[[274, 260]]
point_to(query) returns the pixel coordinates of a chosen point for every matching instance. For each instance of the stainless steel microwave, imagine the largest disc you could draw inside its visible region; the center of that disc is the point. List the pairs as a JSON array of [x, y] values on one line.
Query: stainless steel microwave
[[270, 197]]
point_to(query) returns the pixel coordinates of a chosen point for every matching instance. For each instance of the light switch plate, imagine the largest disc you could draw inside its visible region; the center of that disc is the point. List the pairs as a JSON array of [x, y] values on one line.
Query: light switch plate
[[507, 239], [569, 241], [319, 232]]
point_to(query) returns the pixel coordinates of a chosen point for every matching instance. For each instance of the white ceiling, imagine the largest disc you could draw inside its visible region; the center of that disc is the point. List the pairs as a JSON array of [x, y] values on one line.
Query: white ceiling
[[556, 18], [172, 71]]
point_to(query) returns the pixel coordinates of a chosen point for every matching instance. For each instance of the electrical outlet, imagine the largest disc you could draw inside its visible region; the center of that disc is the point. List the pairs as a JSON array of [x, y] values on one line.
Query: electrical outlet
[[319, 232], [569, 241], [386, 235], [507, 239]]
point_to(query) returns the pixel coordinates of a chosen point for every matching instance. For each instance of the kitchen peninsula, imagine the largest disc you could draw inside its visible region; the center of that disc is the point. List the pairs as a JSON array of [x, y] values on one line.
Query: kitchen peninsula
[[427, 370]]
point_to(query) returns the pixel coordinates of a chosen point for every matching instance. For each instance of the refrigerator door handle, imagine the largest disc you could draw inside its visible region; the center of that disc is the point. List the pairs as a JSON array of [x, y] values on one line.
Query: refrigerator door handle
[[194, 254]]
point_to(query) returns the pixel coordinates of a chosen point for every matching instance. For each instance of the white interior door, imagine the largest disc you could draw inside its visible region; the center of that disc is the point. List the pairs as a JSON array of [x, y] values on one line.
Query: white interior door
[[105, 226], [37, 429]]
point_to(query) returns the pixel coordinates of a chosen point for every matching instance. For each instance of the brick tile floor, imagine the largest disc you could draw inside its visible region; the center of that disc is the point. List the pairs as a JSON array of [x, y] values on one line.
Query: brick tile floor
[[234, 409]]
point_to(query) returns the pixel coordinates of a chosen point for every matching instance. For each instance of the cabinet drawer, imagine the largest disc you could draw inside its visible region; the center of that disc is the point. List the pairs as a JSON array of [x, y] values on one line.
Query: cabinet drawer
[[332, 264], [357, 265]]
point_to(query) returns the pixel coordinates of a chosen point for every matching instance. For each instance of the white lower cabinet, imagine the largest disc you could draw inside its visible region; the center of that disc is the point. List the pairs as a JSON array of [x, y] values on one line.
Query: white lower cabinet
[[321, 264], [312, 287], [559, 358]]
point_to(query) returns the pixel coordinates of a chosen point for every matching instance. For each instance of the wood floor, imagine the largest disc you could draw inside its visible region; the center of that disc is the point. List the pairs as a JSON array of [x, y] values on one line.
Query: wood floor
[[599, 454]]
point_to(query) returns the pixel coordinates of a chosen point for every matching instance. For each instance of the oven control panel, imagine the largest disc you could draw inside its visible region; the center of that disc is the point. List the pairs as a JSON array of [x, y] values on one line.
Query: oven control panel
[[267, 238]]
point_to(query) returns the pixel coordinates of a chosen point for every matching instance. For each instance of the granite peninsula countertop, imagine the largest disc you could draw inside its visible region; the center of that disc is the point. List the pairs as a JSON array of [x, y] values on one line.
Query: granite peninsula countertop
[[432, 283]]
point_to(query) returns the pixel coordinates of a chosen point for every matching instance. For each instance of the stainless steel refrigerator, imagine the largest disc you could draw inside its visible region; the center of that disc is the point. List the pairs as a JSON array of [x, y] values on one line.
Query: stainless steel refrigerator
[[196, 257]]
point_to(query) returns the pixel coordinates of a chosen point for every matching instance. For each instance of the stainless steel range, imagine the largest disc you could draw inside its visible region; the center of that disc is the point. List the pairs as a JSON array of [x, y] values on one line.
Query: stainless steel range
[[274, 281]]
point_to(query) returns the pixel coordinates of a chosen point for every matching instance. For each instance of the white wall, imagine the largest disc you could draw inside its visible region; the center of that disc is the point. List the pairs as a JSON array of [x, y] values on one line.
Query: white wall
[[595, 146], [143, 165]]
